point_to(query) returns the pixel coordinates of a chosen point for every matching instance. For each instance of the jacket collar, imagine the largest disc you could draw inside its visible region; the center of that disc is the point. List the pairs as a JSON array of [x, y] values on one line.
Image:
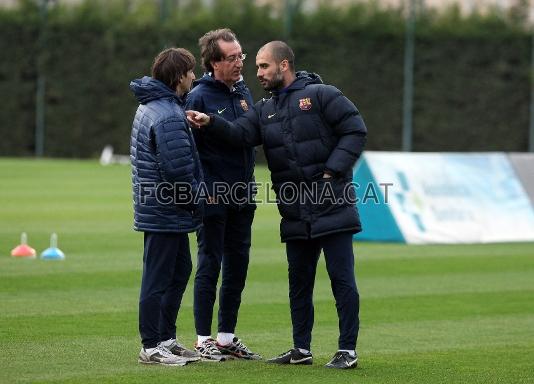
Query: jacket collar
[[147, 89], [302, 79], [208, 79]]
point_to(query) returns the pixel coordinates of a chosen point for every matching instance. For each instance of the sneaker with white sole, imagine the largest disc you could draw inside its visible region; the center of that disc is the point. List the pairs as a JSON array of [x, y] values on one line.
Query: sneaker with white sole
[[160, 355], [293, 356], [178, 349], [343, 360], [208, 351], [238, 350]]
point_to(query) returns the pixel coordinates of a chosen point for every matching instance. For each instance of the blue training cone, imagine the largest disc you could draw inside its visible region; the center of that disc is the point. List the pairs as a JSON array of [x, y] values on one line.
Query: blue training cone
[[53, 253]]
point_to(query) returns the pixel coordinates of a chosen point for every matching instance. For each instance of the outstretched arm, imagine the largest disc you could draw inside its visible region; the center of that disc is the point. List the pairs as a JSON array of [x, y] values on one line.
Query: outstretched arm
[[244, 131]]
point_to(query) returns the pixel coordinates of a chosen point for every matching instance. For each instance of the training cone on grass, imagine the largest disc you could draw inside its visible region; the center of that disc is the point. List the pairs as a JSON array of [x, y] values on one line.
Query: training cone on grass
[[53, 253], [23, 250]]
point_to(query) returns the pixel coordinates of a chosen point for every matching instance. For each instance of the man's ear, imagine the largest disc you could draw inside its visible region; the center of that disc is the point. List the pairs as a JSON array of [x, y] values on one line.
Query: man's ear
[[179, 82], [214, 64], [284, 65]]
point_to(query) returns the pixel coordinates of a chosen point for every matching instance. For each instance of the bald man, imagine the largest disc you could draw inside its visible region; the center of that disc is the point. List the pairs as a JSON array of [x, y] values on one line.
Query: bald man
[[312, 136]]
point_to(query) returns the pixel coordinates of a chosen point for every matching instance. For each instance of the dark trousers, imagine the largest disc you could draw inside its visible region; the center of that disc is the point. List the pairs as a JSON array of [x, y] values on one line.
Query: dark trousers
[[166, 270], [302, 257], [224, 240]]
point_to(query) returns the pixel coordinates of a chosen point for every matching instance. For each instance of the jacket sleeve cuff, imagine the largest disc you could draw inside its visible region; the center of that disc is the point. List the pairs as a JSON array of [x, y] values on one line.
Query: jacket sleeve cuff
[[330, 172], [213, 119]]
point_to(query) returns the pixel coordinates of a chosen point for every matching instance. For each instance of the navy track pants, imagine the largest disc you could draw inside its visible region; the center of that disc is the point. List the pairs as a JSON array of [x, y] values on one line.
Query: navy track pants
[[166, 270], [302, 257], [223, 243]]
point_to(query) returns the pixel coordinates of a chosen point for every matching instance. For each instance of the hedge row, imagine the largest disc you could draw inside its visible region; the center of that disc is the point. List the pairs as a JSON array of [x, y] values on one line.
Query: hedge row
[[472, 79]]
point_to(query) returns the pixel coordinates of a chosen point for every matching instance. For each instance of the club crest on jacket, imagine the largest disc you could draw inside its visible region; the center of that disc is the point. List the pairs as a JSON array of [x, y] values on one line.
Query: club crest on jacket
[[305, 104], [244, 105]]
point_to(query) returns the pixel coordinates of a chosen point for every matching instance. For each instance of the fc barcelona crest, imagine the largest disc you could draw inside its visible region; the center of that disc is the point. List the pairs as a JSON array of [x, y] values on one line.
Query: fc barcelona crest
[[305, 104], [244, 105]]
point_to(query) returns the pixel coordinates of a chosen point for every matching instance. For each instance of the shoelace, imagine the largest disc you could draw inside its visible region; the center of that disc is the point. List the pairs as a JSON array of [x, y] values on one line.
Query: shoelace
[[285, 353], [164, 351], [179, 345], [239, 344], [210, 346], [344, 356]]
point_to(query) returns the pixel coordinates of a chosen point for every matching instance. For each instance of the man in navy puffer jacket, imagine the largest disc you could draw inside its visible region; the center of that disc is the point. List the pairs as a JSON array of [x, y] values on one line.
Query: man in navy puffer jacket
[[312, 136], [166, 175]]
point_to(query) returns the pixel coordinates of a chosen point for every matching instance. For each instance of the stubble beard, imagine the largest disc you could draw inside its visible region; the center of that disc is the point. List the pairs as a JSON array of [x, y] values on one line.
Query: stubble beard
[[276, 83]]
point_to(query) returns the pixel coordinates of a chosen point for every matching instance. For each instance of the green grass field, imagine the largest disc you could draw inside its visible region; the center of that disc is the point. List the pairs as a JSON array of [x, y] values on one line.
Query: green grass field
[[429, 314]]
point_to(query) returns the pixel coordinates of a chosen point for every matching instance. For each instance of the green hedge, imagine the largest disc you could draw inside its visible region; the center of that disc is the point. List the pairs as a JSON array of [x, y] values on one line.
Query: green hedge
[[471, 73]]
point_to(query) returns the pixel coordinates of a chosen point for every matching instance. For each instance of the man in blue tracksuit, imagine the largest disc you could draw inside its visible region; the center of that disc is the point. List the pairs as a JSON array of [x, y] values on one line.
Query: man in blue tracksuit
[[224, 239]]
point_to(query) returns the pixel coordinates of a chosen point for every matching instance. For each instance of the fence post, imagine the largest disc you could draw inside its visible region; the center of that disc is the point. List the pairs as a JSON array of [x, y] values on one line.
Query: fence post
[[531, 77], [407, 104], [40, 93]]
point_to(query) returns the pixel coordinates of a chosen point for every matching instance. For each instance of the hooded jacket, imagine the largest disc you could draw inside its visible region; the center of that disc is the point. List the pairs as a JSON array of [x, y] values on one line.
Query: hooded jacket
[[222, 161], [306, 129], [166, 172]]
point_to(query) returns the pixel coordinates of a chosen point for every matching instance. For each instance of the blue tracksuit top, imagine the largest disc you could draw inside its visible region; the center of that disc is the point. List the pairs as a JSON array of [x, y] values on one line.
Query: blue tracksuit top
[[221, 162]]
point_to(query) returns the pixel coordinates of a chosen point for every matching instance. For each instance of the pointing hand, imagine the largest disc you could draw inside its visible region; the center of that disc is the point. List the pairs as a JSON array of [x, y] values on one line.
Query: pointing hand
[[197, 119]]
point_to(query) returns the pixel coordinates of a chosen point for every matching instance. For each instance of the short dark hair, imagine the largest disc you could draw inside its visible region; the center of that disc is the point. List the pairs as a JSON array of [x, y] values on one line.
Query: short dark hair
[[209, 46], [171, 64], [281, 51]]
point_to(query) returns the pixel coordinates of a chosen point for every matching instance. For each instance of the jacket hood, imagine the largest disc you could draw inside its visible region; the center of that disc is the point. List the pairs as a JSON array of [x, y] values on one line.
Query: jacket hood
[[210, 81], [302, 79], [147, 89]]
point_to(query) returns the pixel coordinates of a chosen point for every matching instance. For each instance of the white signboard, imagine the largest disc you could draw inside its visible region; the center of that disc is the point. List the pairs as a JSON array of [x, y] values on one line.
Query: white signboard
[[453, 197]]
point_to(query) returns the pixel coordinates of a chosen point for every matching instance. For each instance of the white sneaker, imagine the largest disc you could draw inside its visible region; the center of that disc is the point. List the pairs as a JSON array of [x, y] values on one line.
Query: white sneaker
[[177, 349], [160, 355], [238, 350], [209, 351]]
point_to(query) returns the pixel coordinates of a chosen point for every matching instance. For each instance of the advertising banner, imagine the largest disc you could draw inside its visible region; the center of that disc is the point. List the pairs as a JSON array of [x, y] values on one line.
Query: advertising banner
[[443, 198]]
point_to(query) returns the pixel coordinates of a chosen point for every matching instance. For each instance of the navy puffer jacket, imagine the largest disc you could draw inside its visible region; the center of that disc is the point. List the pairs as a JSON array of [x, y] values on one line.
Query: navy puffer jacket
[[166, 171], [306, 129]]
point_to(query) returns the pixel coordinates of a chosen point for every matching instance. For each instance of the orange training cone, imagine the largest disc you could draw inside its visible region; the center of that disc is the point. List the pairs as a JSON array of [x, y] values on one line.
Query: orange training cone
[[23, 250]]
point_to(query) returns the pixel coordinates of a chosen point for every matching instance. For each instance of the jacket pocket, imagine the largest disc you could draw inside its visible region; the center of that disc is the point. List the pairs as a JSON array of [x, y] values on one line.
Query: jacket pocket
[[330, 195]]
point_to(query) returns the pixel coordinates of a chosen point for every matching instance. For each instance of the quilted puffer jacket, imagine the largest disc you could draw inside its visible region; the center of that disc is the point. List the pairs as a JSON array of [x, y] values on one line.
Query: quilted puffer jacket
[[166, 172], [306, 129]]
